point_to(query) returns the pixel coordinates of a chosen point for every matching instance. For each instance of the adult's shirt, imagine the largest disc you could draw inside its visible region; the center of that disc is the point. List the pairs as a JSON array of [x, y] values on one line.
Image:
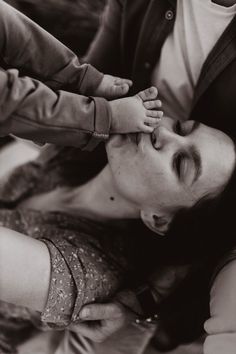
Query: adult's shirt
[[198, 26]]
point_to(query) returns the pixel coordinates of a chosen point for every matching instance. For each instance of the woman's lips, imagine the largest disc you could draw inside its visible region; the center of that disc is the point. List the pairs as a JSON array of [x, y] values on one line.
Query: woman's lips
[[135, 138]]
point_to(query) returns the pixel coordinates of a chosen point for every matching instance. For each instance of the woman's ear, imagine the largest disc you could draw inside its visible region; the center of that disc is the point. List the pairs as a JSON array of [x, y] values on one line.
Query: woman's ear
[[157, 223]]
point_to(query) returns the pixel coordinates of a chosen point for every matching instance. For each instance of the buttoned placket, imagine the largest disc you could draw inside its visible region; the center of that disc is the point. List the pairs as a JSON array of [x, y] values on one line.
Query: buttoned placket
[[150, 44]]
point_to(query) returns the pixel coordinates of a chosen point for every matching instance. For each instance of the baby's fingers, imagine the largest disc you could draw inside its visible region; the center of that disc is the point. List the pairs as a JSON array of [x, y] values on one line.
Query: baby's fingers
[[119, 81], [148, 94], [154, 114], [119, 90], [145, 128], [152, 121], [152, 104]]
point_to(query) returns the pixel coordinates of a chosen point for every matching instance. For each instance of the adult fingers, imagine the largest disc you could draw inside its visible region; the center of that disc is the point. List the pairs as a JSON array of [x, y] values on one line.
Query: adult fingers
[[99, 330], [94, 312], [96, 333]]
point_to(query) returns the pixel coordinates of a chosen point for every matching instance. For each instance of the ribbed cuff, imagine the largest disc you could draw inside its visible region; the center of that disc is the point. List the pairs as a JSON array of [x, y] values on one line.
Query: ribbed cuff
[[90, 81]]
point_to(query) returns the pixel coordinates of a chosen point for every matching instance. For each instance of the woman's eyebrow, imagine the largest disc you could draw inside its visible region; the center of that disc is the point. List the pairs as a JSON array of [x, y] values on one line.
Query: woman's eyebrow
[[197, 163]]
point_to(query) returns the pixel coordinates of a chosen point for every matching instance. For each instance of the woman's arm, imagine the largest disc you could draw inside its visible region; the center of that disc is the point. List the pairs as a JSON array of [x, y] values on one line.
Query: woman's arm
[[221, 326], [24, 270]]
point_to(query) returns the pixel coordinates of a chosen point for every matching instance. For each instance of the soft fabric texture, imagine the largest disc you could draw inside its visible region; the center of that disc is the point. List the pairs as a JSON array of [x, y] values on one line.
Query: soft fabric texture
[[29, 106], [198, 26]]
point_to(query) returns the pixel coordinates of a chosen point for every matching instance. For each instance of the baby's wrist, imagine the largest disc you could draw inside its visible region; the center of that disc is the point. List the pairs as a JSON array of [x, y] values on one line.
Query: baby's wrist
[[114, 116]]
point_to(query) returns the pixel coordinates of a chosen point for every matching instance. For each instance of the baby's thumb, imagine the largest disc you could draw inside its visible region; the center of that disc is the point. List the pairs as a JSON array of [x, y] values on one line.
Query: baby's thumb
[[119, 90]]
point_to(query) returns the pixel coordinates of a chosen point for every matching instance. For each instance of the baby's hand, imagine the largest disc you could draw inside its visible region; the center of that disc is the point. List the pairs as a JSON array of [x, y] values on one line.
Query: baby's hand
[[112, 87], [139, 113]]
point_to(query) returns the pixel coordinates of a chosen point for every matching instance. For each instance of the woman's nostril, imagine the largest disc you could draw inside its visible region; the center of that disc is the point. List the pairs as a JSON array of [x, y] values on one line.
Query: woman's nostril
[[153, 137]]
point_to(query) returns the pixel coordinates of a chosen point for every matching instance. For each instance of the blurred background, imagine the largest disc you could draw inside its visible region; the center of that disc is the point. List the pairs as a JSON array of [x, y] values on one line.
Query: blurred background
[[73, 22]]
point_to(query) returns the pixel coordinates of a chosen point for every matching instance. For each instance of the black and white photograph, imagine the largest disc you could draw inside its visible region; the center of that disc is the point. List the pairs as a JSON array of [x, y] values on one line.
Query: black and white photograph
[[117, 176]]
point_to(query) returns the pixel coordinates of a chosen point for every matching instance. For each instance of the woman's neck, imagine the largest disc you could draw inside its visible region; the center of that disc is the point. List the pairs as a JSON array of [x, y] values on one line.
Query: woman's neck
[[100, 200]]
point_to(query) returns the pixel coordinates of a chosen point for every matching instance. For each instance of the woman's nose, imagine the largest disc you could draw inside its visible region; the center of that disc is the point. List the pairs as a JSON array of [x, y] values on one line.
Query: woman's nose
[[163, 136]]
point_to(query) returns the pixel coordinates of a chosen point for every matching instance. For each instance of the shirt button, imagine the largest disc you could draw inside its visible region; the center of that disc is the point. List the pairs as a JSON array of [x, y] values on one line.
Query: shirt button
[[147, 65], [169, 15]]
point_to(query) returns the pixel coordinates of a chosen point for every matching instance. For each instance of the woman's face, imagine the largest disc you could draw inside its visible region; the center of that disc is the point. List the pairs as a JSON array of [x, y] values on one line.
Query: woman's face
[[173, 167]]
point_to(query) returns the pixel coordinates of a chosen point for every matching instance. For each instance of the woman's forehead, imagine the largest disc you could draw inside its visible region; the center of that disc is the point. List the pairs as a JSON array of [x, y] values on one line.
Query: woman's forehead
[[218, 157]]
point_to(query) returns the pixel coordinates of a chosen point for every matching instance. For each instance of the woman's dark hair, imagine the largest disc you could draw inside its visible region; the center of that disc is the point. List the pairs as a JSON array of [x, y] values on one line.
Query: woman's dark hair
[[207, 232], [209, 225]]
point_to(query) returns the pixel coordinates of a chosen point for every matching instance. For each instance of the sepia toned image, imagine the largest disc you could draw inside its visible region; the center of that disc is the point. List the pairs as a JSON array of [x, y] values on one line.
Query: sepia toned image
[[117, 176]]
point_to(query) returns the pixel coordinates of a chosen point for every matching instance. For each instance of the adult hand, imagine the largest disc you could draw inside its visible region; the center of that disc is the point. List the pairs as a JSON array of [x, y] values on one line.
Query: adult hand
[[102, 320]]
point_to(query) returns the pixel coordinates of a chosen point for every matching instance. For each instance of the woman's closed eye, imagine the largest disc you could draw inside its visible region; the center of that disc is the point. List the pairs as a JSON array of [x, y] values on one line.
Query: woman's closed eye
[[180, 164]]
